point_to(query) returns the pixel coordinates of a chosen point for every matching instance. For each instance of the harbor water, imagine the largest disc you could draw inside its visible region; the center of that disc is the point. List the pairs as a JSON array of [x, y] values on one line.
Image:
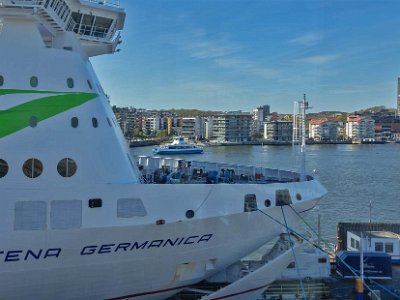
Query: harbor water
[[354, 176]]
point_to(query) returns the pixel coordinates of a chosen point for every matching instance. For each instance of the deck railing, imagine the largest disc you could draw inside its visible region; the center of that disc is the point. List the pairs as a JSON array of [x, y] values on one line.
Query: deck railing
[[174, 171]]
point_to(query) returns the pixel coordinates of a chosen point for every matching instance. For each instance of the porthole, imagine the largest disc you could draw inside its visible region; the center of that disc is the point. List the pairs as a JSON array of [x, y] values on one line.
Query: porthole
[[33, 122], [34, 81], [3, 168], [74, 122], [1, 80], [70, 83], [67, 167], [267, 203], [32, 168], [189, 214], [298, 196], [90, 85], [95, 123]]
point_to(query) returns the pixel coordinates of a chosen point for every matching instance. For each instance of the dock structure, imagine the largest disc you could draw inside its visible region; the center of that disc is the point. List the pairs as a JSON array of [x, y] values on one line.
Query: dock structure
[[344, 227]]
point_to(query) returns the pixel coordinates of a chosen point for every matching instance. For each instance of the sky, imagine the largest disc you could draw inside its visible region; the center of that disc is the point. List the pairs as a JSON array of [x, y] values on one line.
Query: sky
[[239, 54]]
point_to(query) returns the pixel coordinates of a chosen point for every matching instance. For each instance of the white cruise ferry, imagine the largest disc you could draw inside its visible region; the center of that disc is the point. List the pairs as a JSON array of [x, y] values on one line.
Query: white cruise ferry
[[81, 219]]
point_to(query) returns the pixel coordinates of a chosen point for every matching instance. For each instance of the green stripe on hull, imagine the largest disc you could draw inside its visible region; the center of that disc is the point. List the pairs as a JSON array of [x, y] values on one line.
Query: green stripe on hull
[[18, 117]]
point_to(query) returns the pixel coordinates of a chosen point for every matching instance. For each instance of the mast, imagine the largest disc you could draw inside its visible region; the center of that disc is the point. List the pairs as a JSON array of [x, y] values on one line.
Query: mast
[[303, 107]]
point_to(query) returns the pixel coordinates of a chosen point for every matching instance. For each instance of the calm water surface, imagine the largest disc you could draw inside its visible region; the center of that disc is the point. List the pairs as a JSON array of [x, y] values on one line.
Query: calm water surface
[[354, 175]]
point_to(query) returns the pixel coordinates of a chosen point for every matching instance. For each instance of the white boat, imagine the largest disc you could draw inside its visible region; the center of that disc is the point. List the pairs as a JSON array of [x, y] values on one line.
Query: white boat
[[79, 219], [178, 146]]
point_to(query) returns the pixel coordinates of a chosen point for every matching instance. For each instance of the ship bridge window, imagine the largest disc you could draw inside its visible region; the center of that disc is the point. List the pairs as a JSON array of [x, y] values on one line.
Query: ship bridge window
[[67, 167], [34, 81], [3, 168], [101, 26], [32, 168], [70, 83], [1, 80]]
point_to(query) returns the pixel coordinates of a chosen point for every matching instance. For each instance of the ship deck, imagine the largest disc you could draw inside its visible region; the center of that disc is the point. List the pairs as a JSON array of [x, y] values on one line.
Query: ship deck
[[158, 170]]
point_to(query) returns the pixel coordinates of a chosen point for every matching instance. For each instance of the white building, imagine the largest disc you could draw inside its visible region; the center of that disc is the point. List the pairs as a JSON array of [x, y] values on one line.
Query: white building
[[359, 128], [231, 127], [193, 128], [375, 241], [281, 131], [320, 129]]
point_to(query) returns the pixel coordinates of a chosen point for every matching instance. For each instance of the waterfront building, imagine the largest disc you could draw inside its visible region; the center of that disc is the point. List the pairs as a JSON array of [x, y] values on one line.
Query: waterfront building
[[152, 124], [231, 127], [281, 131], [193, 128], [359, 128], [321, 129], [261, 114]]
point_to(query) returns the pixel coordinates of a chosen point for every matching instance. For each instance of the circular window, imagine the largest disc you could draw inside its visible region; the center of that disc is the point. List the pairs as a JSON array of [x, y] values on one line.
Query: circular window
[[74, 122], [70, 83], [1, 80], [90, 85], [34, 81], [33, 122], [298, 196], [32, 168], [267, 203], [189, 214], [3, 168], [66, 167], [95, 122]]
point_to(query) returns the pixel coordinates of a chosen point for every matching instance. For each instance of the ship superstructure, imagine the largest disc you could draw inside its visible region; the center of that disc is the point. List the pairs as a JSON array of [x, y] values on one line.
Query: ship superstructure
[[78, 220]]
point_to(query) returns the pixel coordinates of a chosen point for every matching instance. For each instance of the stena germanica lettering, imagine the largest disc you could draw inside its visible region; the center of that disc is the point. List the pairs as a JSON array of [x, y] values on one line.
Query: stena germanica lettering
[[131, 246], [26, 255]]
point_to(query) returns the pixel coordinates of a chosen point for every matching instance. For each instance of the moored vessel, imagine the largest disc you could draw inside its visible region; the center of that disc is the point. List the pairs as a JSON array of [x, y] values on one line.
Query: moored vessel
[[178, 146], [80, 217]]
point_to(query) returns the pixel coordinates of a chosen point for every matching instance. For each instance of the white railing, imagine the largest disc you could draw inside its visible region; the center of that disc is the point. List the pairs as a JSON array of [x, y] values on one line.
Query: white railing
[[112, 3]]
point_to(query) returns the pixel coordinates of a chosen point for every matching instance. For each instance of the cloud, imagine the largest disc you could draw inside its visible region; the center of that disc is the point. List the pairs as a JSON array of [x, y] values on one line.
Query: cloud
[[220, 53], [319, 59], [308, 39]]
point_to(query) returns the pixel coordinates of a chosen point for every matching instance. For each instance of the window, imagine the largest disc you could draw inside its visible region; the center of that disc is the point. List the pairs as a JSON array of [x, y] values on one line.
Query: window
[[33, 122], [109, 122], [66, 214], [74, 122], [95, 122], [1, 80], [389, 247], [357, 244], [352, 243], [250, 202], [66, 167], [90, 85], [3, 168], [70, 83], [128, 208], [32, 168], [30, 215], [379, 247], [34, 81]]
